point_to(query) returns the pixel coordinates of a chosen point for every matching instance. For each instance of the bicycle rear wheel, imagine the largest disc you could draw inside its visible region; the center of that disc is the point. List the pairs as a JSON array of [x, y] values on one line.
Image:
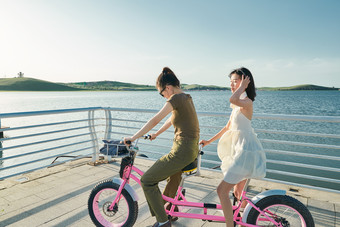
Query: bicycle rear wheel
[[124, 212], [283, 209]]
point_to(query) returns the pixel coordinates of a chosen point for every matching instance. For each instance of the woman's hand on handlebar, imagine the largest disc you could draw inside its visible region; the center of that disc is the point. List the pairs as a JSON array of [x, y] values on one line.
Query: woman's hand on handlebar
[[204, 143], [128, 140], [153, 136], [150, 136]]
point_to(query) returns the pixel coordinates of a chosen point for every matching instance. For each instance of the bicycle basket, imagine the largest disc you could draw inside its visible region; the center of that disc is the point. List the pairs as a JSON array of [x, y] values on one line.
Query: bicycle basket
[[113, 148]]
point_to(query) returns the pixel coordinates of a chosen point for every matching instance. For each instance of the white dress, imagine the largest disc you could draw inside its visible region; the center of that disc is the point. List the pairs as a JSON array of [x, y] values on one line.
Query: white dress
[[240, 150]]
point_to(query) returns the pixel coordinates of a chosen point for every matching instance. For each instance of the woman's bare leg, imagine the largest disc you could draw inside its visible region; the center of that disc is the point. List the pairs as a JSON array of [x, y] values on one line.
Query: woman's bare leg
[[238, 191], [223, 190]]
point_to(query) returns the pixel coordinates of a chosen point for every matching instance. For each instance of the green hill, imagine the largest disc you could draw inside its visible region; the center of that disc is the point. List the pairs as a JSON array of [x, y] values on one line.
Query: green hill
[[202, 87], [297, 87], [110, 85], [120, 86], [31, 84]]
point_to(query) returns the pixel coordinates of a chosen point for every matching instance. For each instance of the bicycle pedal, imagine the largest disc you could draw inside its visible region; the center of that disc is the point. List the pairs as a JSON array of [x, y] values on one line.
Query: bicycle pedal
[[213, 221], [206, 220]]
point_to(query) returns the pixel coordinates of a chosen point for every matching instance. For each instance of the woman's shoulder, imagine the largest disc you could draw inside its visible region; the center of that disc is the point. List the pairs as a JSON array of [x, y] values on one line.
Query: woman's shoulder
[[180, 96], [246, 102], [180, 99]]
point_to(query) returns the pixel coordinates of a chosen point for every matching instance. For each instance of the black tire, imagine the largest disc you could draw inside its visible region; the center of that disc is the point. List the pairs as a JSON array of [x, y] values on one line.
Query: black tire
[[283, 209], [101, 197]]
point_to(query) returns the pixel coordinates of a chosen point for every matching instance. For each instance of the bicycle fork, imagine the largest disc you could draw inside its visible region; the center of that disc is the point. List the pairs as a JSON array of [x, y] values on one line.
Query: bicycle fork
[[124, 184], [119, 195]]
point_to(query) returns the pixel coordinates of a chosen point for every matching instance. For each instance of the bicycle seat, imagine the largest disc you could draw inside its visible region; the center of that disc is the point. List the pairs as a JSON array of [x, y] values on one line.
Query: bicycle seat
[[191, 167]]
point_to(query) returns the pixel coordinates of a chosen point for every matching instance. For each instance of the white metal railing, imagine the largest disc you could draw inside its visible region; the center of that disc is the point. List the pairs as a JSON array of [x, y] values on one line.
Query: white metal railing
[[33, 145], [290, 171]]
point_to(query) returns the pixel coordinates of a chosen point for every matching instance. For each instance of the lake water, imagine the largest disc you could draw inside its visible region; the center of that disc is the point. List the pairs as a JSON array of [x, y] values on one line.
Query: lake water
[[317, 103], [322, 103]]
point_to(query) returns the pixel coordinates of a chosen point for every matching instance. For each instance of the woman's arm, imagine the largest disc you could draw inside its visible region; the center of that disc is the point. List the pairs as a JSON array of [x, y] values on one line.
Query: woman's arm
[[235, 97], [217, 136], [164, 127], [167, 108]]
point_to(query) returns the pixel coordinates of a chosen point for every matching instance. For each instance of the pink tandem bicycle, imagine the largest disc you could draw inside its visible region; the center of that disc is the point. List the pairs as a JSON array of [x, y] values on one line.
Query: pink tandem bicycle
[[114, 202]]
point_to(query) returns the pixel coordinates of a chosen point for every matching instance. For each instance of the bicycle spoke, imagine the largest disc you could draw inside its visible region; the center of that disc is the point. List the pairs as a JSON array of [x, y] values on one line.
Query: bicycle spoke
[[285, 215], [123, 213]]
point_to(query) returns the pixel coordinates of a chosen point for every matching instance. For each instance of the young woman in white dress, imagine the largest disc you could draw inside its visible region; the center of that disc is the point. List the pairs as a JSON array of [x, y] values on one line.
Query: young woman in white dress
[[239, 149]]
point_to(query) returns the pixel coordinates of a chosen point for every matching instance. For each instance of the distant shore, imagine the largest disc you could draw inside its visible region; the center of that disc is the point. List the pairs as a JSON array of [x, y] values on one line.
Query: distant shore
[[31, 84]]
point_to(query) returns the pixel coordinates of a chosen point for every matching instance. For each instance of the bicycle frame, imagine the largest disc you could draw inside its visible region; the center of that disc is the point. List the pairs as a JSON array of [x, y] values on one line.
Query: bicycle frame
[[184, 203]]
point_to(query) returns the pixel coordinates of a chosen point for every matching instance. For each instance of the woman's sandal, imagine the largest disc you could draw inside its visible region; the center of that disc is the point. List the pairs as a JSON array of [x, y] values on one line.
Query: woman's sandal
[[172, 219]]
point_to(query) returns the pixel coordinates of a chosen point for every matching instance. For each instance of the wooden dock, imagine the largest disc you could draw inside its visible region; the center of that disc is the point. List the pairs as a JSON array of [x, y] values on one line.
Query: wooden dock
[[57, 196]]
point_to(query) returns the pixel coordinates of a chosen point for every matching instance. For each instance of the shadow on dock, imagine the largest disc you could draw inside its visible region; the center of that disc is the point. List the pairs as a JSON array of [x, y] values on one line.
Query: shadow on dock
[[57, 196]]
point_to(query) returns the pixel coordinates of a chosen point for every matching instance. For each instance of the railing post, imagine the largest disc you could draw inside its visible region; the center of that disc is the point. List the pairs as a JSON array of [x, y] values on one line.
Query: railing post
[[1, 136], [1, 133], [95, 154], [108, 126]]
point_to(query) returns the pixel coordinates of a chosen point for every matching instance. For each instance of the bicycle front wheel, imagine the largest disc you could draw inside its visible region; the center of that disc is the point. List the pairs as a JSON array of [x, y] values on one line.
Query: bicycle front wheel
[[124, 213], [283, 209]]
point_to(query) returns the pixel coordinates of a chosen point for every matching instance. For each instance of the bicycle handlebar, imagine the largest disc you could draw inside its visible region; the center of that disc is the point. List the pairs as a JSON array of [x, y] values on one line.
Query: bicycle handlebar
[[147, 137]]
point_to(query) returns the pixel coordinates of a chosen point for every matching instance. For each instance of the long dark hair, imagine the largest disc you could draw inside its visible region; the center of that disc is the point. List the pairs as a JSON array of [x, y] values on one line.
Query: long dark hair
[[250, 90], [167, 77]]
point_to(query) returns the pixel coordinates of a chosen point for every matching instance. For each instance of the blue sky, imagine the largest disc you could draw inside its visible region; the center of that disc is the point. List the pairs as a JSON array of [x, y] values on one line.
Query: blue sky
[[283, 43]]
